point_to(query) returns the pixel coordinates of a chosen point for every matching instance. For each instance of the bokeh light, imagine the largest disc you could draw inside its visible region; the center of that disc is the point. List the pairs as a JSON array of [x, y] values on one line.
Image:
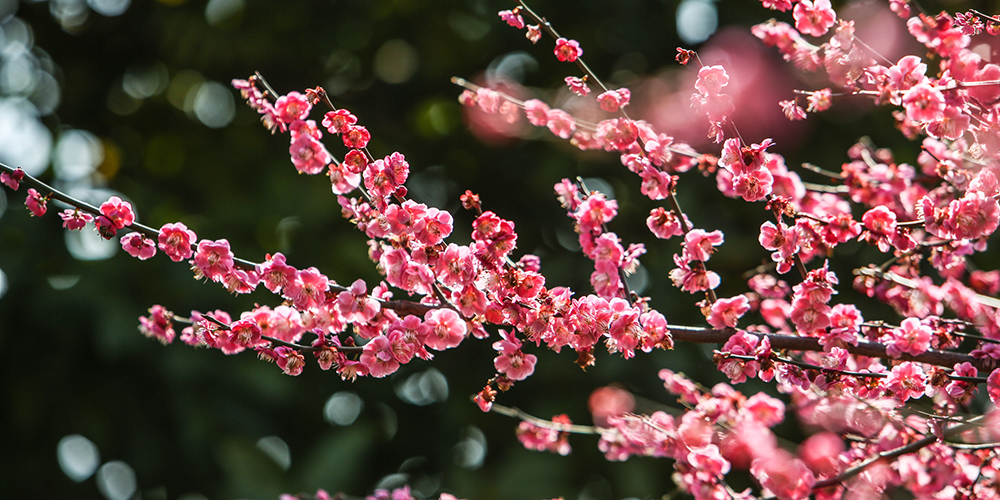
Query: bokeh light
[[343, 408], [78, 457], [116, 480]]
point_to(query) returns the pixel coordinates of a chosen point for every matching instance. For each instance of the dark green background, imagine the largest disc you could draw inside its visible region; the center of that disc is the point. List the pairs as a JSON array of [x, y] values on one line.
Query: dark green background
[[187, 420]]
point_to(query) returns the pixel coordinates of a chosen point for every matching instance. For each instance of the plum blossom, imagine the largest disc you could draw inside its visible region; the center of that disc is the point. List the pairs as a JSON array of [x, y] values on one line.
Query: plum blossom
[[792, 110], [213, 259], [923, 103], [175, 239], [725, 312], [513, 19], [905, 381], [568, 50], [512, 362], [814, 17], [446, 329], [13, 179], [339, 121], [158, 325], [356, 137], [74, 219], [115, 215], [138, 245], [781, 474], [577, 85], [910, 338], [289, 360], [560, 123], [291, 107], [612, 100], [377, 357]]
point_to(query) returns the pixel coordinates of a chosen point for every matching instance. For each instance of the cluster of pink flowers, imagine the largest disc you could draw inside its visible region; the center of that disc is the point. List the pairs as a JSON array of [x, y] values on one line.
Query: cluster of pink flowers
[[945, 207], [537, 438]]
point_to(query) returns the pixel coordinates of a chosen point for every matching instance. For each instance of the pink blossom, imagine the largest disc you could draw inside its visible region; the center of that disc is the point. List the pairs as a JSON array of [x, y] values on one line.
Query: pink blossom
[[308, 154], [138, 245], [36, 203], [663, 223], [289, 360], [910, 338], [765, 409], [605, 279], [923, 103], [245, 332], [993, 386], [693, 279], [515, 20], [534, 33], [707, 460], [880, 227], [434, 227], [612, 100], [779, 5], [711, 79], [809, 316], [176, 240], [742, 344], [753, 186], [973, 216], [304, 127], [356, 137], [595, 211], [561, 123], [905, 381], [814, 18], [609, 401], [342, 179], [407, 337], [699, 244], [308, 289], [355, 161], [13, 179], [446, 329], [488, 99], [292, 107], [781, 474], [158, 325], [118, 212], [775, 312], [820, 100], [577, 85], [240, 280], [283, 322], [213, 259], [339, 121], [959, 390], [512, 362], [377, 357], [618, 133], [275, 273], [845, 325], [624, 332], [907, 73], [792, 110], [74, 219], [985, 182], [537, 112], [538, 438], [725, 312], [821, 451], [568, 50]]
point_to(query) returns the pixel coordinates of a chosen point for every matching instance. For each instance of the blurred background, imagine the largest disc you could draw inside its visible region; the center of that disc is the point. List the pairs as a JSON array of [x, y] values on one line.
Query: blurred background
[[132, 98]]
